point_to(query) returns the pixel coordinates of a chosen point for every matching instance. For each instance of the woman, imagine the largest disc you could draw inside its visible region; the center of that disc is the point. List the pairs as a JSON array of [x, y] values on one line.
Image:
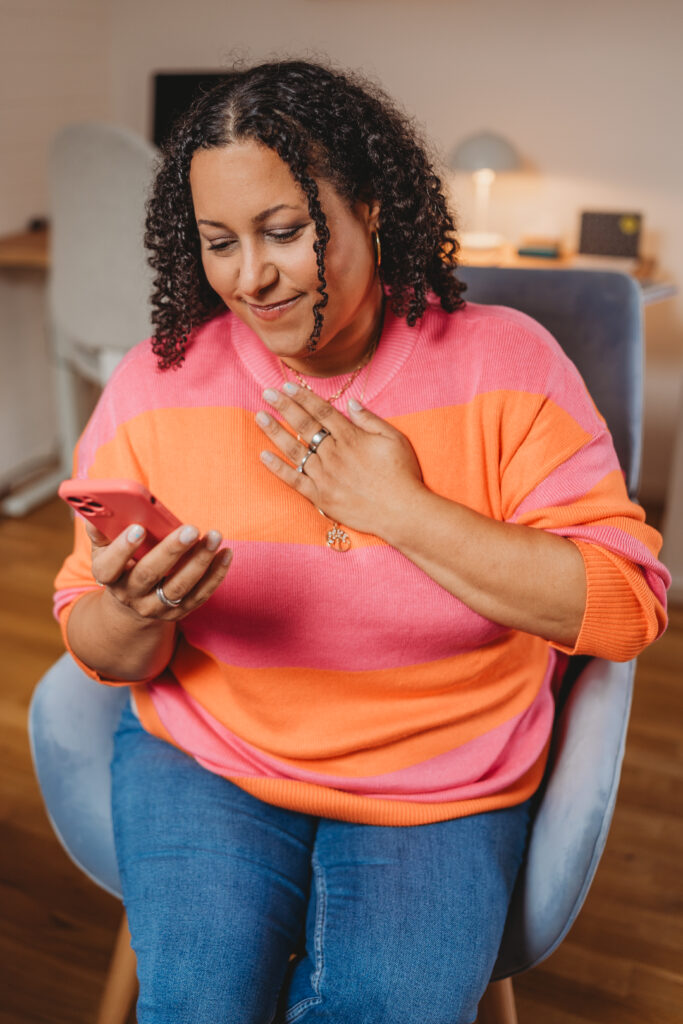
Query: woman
[[366, 698]]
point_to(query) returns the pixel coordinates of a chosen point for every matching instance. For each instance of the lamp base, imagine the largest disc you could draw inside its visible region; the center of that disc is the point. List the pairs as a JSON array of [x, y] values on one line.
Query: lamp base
[[481, 240]]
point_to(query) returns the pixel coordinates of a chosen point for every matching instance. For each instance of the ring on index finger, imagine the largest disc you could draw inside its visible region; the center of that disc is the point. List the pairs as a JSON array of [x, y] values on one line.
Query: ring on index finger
[[318, 439]]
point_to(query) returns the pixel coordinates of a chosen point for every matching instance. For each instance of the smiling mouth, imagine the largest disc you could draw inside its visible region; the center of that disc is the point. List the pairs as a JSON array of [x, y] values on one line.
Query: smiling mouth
[[273, 309]]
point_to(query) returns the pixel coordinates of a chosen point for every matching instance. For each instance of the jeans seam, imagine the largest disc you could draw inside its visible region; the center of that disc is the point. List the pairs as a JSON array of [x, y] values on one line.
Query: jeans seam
[[299, 1008]]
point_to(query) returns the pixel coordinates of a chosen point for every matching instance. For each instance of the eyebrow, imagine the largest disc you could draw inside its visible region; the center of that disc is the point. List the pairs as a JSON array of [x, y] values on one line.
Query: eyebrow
[[258, 219]]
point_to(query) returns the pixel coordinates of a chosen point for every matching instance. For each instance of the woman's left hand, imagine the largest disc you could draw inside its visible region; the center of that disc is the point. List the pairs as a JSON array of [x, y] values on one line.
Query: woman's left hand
[[362, 474]]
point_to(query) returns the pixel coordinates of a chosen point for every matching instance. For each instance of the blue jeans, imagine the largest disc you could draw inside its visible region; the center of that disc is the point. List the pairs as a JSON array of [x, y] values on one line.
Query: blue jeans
[[389, 925]]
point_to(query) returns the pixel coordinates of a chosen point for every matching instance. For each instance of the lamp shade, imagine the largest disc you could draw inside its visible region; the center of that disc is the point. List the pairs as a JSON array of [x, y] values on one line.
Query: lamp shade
[[484, 150]]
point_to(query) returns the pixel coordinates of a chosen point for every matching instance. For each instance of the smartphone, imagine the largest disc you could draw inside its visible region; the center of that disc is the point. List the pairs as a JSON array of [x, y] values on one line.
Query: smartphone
[[112, 505]]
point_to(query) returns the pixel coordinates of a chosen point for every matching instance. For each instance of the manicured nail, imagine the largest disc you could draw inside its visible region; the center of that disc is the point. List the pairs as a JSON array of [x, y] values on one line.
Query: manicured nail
[[267, 456], [226, 557], [263, 419], [134, 534], [213, 539], [290, 388], [270, 396], [188, 534], [354, 406]]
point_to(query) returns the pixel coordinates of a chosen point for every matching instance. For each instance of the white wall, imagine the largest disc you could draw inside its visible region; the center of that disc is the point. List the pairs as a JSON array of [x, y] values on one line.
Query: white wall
[[54, 68], [54, 58]]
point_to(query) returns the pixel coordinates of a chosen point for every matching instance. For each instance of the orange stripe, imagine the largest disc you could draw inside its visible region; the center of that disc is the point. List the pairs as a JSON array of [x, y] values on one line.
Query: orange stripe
[[227, 442], [367, 723]]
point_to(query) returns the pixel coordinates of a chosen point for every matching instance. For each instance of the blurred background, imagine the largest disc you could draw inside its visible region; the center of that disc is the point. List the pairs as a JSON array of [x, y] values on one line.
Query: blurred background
[[587, 93]]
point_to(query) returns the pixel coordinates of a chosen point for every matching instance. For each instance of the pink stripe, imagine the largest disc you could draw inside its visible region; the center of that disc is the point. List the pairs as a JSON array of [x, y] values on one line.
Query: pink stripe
[[410, 617], [214, 375], [573, 479], [656, 575], [481, 767], [64, 597], [497, 349]]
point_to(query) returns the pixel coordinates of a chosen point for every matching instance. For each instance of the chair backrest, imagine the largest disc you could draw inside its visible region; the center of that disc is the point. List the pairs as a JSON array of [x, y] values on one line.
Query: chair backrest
[[596, 316], [100, 281]]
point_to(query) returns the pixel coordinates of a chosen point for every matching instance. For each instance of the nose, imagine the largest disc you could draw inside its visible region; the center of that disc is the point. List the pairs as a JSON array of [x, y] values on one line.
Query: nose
[[256, 271]]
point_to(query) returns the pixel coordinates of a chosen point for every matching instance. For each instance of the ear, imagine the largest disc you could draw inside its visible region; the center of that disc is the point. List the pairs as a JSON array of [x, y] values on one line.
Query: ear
[[373, 214], [368, 211]]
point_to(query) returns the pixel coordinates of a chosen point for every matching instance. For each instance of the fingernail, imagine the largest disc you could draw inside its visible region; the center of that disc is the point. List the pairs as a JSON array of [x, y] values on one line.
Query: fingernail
[[213, 539], [226, 558], [263, 419], [290, 388], [188, 534], [270, 395], [354, 406], [266, 456], [134, 534]]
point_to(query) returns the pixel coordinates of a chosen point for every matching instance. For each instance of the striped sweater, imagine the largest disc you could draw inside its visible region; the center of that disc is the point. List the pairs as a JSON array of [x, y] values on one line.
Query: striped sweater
[[351, 685]]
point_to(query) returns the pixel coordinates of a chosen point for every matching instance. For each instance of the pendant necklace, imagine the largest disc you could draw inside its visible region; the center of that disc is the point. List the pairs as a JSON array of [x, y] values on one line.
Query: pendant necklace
[[337, 537]]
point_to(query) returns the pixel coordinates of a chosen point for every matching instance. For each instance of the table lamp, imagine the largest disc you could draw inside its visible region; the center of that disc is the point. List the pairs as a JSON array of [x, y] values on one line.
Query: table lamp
[[483, 155]]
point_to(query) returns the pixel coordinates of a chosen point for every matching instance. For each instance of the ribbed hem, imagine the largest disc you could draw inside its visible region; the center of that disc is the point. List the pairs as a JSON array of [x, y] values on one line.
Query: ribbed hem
[[333, 803]]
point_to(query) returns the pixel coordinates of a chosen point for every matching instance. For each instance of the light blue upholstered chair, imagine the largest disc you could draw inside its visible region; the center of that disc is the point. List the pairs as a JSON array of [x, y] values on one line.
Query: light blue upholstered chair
[[596, 317]]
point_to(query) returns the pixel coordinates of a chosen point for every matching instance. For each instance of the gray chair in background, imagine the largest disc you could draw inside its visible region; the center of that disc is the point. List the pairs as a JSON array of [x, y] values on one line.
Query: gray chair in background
[[100, 283], [597, 319]]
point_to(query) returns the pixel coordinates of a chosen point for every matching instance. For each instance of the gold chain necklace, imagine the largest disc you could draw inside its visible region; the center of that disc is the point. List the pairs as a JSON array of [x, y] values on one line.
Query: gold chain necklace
[[337, 537], [347, 383]]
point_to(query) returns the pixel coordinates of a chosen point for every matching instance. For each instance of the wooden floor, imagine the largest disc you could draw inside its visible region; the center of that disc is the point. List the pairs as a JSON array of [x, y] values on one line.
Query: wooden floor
[[621, 964]]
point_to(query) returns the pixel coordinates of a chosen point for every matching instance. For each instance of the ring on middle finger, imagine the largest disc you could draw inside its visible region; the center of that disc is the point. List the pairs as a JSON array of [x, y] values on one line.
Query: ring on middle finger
[[318, 439], [300, 467], [164, 598]]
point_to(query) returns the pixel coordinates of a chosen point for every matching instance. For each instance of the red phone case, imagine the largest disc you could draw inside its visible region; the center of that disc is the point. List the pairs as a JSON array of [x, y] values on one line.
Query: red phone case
[[112, 505]]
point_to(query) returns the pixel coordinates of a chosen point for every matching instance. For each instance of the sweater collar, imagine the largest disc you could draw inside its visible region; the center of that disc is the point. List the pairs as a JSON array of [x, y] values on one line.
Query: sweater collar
[[395, 347]]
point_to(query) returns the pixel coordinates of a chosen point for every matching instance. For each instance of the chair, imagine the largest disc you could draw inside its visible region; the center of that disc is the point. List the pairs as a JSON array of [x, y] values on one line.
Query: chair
[[596, 317], [100, 282]]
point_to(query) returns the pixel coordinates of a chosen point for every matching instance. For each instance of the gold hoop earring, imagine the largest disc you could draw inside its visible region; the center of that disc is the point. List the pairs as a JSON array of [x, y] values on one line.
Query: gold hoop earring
[[378, 248]]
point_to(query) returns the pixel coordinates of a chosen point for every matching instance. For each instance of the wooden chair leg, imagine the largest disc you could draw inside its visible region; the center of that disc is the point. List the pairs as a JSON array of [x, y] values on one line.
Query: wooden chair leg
[[497, 1005], [121, 985]]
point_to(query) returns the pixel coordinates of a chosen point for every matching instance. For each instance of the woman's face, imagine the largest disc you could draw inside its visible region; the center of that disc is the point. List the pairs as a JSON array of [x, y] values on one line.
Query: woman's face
[[257, 241]]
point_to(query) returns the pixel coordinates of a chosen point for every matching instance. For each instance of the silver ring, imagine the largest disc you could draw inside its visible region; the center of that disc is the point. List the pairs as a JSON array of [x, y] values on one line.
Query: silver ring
[[166, 600], [318, 438], [300, 467]]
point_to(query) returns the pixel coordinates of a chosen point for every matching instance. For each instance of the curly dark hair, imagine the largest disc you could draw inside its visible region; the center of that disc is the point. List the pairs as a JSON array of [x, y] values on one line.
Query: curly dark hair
[[323, 124]]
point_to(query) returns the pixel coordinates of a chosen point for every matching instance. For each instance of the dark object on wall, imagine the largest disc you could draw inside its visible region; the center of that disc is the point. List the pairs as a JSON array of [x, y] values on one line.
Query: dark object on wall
[[610, 234], [174, 91]]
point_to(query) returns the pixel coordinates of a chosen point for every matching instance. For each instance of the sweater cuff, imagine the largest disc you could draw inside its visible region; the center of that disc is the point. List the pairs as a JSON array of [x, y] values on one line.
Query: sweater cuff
[[622, 615]]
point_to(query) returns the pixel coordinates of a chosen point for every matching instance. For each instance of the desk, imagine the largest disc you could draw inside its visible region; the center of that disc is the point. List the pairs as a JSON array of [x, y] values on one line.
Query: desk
[[654, 289], [28, 250]]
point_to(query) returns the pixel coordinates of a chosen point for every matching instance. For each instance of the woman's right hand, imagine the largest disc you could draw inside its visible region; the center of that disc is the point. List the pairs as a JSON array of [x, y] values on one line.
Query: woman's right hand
[[125, 632], [187, 568]]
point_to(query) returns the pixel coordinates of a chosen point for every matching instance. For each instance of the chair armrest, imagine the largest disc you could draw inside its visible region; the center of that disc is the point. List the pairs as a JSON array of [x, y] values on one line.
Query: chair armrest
[[571, 823]]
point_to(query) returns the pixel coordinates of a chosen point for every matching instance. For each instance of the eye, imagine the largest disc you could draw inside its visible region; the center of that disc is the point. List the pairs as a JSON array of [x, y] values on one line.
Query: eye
[[219, 246], [287, 234]]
